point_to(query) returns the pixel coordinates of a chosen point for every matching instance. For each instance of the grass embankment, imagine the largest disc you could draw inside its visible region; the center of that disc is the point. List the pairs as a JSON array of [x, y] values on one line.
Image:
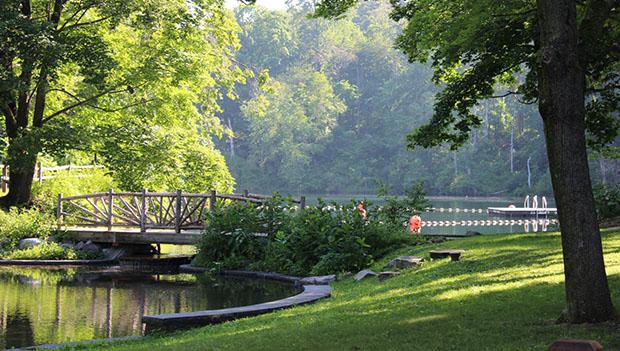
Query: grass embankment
[[505, 294]]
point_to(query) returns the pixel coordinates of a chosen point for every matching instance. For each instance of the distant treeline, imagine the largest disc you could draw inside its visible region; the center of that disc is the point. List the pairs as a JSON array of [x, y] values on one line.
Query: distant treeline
[[340, 100]]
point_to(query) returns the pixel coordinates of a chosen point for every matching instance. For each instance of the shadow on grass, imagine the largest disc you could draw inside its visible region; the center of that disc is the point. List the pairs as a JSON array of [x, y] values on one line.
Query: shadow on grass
[[505, 294]]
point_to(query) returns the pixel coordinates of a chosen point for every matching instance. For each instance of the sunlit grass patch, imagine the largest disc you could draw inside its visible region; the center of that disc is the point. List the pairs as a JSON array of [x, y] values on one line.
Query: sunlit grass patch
[[505, 294]]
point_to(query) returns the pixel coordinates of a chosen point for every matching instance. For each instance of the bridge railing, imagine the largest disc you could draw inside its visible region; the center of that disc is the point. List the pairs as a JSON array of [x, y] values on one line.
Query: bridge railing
[[145, 210]]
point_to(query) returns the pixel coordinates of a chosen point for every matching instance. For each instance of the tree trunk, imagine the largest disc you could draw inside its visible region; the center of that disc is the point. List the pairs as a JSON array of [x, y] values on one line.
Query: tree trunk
[[561, 105], [20, 187]]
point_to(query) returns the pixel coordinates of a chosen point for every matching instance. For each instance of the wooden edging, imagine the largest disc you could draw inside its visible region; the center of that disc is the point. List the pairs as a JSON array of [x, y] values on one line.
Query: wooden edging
[[176, 321]]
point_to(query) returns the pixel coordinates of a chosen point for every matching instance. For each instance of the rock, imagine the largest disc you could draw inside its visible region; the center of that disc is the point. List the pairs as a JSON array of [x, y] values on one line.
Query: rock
[[29, 242], [91, 247], [454, 254], [472, 233], [404, 262], [319, 280], [79, 245], [364, 274], [388, 274], [67, 246]]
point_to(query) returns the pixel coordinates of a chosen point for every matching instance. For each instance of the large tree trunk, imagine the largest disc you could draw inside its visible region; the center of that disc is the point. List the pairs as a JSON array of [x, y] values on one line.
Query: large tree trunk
[[561, 105], [20, 186]]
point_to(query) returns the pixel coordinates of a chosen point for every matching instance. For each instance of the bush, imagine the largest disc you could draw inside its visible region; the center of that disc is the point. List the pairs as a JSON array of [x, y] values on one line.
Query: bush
[[17, 224], [66, 183], [321, 239], [607, 198], [45, 251]]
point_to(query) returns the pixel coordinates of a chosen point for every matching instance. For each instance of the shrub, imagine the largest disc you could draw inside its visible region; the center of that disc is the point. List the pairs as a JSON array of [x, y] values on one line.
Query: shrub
[[88, 181], [607, 198], [45, 251], [17, 224], [398, 209], [321, 239]]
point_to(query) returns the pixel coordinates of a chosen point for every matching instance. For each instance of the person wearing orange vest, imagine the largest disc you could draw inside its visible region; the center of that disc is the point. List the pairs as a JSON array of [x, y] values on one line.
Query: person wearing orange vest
[[415, 224]]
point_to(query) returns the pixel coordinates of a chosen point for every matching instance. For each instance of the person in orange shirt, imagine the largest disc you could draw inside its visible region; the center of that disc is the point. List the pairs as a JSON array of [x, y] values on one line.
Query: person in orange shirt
[[415, 224], [361, 208]]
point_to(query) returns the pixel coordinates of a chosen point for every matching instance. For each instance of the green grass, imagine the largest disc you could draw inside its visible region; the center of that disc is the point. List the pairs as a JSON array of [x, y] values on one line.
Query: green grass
[[505, 294]]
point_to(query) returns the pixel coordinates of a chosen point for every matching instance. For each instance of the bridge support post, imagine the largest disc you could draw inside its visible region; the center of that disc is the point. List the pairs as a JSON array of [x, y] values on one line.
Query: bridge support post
[[302, 202], [110, 209], [177, 214], [143, 212], [213, 199]]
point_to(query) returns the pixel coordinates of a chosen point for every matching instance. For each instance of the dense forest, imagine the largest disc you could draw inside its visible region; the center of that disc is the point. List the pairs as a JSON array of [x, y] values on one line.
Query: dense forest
[[340, 99]]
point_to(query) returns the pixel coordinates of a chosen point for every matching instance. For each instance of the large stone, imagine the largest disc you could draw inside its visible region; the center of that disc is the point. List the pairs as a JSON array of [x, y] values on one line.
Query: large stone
[[319, 280], [472, 233], [454, 254], [29, 242], [404, 262], [67, 246], [363, 274], [91, 247], [79, 245]]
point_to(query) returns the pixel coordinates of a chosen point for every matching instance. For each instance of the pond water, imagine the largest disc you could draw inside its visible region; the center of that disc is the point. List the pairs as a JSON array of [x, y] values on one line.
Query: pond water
[[469, 203], [40, 306]]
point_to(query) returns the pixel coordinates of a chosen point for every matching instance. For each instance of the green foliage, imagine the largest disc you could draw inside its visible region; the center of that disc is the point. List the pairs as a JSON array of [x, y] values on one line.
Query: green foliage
[[397, 210], [386, 97], [45, 251], [69, 183], [607, 198], [136, 83], [17, 224], [320, 239]]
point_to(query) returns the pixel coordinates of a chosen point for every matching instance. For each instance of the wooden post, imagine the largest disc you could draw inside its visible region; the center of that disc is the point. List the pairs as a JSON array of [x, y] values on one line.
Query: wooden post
[[40, 172], [5, 176], [59, 215], [110, 209], [246, 193], [302, 202], [177, 215], [143, 212], [213, 199]]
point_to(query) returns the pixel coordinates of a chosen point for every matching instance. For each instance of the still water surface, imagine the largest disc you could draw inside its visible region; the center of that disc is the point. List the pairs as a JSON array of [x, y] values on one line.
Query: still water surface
[[39, 306]]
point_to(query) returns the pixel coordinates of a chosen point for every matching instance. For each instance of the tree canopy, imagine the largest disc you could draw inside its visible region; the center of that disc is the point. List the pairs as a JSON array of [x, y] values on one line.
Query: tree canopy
[[137, 78]]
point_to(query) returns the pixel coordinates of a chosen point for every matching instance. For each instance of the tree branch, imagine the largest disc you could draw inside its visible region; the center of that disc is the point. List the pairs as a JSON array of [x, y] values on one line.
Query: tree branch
[[142, 102], [503, 95], [82, 102], [84, 23]]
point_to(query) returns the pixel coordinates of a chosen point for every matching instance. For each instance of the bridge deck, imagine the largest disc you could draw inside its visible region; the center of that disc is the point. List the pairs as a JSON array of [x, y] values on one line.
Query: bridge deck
[[134, 235]]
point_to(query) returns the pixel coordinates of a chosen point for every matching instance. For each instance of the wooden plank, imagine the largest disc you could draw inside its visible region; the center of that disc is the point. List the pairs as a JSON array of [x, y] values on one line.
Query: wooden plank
[[130, 237]]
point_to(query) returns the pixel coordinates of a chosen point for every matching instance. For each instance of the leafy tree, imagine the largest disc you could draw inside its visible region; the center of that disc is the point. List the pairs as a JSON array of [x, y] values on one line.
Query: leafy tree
[[566, 51], [87, 75], [302, 113]]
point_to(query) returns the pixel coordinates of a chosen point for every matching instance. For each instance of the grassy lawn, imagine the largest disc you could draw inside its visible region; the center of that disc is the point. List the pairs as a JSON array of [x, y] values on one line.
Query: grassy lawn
[[505, 294]]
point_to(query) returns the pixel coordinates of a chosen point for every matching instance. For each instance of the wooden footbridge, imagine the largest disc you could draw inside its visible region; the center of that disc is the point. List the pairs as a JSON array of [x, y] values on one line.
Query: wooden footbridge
[[143, 217]]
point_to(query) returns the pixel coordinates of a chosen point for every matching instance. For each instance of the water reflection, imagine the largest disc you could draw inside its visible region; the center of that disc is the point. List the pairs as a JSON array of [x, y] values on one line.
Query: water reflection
[[39, 306]]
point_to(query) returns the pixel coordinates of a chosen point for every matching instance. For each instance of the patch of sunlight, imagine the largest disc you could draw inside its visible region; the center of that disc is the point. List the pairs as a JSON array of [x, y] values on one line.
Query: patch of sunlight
[[475, 290], [421, 319], [245, 330]]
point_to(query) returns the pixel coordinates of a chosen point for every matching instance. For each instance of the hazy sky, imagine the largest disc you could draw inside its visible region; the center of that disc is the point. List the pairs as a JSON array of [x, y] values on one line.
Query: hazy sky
[[272, 4]]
